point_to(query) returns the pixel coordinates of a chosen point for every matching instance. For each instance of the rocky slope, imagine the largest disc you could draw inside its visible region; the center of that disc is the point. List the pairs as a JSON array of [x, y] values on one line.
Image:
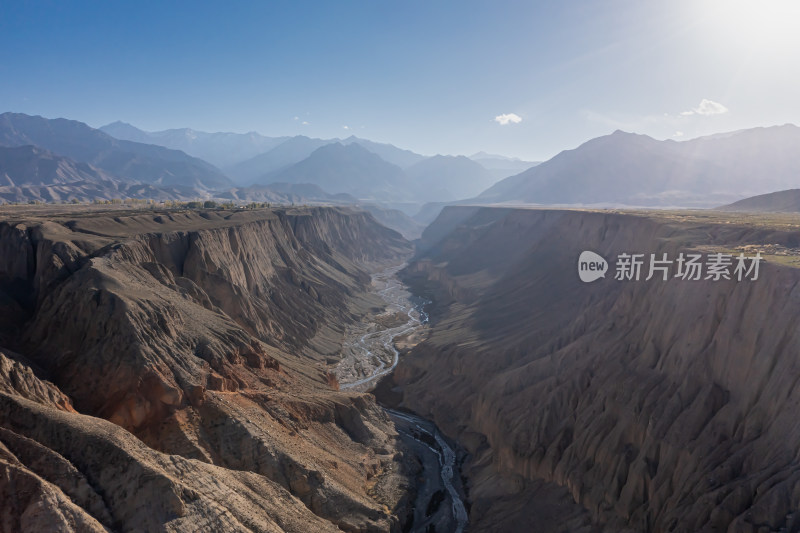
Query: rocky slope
[[165, 371], [29, 173], [628, 406], [309, 194]]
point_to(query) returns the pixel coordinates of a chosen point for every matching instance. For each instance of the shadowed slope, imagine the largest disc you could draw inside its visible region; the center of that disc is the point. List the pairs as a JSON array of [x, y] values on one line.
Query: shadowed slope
[[660, 406]]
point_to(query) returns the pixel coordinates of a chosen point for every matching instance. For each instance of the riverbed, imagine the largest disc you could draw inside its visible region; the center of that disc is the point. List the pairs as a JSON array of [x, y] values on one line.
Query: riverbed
[[368, 354]]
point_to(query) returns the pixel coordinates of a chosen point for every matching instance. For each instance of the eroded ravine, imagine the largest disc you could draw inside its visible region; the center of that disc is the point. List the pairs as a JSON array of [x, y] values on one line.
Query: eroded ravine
[[181, 350], [369, 353]]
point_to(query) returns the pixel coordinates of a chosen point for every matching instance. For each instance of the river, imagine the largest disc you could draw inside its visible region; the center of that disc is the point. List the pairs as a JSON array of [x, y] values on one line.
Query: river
[[368, 354]]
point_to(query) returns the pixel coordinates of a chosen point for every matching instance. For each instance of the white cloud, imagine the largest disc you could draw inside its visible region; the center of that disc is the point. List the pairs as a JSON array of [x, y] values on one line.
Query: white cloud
[[706, 108], [678, 134], [297, 118], [345, 127], [508, 118], [305, 123]]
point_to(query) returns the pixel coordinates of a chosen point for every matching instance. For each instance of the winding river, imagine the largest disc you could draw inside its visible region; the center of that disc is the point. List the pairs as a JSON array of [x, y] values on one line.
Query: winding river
[[369, 353], [447, 459]]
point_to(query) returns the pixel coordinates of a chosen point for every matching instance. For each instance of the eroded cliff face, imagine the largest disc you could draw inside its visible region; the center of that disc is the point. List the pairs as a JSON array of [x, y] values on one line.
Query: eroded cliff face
[[659, 406], [166, 371]]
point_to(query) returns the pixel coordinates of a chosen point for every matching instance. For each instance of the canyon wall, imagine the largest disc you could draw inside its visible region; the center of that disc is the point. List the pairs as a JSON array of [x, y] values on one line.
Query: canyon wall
[[651, 405], [166, 371]]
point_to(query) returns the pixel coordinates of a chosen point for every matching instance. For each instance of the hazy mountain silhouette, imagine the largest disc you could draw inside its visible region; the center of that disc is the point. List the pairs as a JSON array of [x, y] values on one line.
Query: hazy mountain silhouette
[[395, 219], [775, 202], [123, 159], [354, 169], [255, 159], [630, 169], [444, 178], [388, 152], [127, 132], [221, 149], [350, 169], [291, 151], [501, 166], [295, 149], [29, 173]]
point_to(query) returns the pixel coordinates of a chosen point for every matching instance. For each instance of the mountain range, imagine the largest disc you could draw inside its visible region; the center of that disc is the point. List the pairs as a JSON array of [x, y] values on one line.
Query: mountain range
[[222, 149], [286, 154], [637, 170], [75, 161], [60, 160], [363, 169], [32, 174], [254, 159], [122, 159], [245, 157], [349, 169]]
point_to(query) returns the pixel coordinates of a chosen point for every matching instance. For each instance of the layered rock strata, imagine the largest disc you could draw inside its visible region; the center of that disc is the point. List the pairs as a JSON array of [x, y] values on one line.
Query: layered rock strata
[[165, 371]]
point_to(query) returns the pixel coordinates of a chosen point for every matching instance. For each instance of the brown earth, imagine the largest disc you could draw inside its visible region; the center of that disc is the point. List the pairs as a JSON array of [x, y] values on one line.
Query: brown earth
[[656, 406], [165, 371]]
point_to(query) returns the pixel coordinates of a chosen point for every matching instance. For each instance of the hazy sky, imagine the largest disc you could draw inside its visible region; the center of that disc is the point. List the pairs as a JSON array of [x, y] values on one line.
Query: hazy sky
[[524, 78]]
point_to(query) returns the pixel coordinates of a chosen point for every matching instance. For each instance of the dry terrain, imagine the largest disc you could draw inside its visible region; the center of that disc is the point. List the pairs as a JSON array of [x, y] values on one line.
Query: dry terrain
[[626, 405], [165, 371]]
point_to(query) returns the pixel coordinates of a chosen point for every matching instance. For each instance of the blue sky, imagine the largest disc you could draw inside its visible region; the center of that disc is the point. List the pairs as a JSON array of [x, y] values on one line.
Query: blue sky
[[431, 76]]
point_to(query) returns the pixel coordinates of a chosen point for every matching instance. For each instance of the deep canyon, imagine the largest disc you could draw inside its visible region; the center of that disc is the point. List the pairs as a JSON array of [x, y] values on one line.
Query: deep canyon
[[167, 371], [181, 370]]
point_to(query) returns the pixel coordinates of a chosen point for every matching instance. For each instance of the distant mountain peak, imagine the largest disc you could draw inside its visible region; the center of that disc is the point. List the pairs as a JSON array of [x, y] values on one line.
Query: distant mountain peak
[[623, 133], [486, 155], [345, 168], [120, 124], [349, 148]]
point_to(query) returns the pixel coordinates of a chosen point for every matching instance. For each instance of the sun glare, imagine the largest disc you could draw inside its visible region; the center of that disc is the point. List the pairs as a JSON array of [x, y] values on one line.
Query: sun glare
[[760, 26]]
